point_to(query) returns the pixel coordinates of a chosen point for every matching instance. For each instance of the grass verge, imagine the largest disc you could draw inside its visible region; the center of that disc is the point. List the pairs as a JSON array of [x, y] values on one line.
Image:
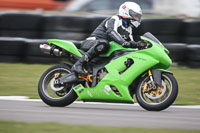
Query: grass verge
[[20, 127], [22, 79], [188, 82]]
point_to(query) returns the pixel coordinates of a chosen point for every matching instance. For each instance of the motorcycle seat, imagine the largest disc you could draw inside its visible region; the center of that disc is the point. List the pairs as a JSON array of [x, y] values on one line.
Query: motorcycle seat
[[77, 44]]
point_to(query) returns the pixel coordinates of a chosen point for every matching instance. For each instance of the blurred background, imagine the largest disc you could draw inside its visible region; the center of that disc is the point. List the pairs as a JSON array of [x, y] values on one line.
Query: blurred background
[[160, 7], [25, 24]]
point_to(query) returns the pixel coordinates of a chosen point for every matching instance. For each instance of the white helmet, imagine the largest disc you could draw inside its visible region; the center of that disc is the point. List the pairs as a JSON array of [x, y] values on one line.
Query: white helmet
[[131, 11]]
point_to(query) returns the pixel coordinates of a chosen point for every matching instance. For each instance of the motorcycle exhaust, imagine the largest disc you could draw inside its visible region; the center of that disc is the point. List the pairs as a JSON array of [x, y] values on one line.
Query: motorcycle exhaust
[[52, 50], [45, 48]]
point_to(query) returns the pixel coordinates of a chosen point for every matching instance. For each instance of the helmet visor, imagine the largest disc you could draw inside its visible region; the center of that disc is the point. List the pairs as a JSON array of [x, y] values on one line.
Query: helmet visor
[[135, 16]]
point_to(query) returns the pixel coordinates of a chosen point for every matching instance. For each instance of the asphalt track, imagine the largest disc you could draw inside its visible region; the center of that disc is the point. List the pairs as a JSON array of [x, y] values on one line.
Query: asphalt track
[[100, 114]]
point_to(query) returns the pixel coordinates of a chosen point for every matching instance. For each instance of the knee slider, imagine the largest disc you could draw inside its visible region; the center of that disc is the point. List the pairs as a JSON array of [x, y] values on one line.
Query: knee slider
[[99, 48], [102, 47]]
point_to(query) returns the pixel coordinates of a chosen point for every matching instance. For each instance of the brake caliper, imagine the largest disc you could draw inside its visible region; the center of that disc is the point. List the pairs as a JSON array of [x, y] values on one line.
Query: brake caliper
[[57, 75]]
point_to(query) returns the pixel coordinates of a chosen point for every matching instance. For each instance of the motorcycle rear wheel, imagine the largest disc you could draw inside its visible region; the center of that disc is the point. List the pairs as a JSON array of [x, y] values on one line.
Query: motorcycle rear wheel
[[53, 95], [159, 99]]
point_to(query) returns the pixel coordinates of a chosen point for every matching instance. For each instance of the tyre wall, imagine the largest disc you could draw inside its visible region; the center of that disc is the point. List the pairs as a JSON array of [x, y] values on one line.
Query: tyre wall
[[17, 24], [190, 32], [65, 27], [21, 34], [24, 50], [165, 29]]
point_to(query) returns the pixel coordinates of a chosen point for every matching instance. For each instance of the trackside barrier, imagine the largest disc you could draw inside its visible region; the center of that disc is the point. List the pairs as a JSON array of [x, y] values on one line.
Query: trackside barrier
[[21, 34]]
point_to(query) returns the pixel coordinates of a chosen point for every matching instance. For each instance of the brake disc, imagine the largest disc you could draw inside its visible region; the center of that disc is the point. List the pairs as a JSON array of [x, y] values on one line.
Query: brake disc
[[154, 94]]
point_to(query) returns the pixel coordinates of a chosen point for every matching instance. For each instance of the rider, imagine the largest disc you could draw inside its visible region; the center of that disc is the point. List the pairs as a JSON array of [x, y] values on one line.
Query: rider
[[117, 28]]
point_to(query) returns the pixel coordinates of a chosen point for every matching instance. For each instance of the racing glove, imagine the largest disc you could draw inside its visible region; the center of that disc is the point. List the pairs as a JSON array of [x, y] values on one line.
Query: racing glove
[[127, 44], [139, 44]]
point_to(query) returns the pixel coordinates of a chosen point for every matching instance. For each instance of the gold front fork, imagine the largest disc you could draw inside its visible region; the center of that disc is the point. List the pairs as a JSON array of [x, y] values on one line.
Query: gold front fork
[[147, 86], [150, 75]]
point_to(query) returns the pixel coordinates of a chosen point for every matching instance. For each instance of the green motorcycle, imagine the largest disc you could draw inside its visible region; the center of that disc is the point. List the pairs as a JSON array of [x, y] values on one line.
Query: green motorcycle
[[115, 76]]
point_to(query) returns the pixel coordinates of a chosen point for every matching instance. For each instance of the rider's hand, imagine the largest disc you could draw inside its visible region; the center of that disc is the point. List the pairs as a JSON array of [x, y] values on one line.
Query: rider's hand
[[126, 44], [142, 44], [139, 44]]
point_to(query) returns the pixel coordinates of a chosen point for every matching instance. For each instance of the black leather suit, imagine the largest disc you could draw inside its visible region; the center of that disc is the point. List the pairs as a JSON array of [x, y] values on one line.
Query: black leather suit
[[111, 29]]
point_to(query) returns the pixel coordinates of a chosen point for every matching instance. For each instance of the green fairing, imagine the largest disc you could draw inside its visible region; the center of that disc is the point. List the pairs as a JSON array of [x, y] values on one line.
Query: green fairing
[[113, 47], [155, 57], [68, 46], [159, 53], [151, 58], [121, 81]]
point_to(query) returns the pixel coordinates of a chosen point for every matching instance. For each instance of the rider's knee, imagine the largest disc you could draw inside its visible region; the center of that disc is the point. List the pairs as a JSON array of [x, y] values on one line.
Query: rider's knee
[[102, 47]]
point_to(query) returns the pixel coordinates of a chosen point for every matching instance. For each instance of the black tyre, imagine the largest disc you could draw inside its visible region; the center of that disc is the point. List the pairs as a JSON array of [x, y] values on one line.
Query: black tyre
[[13, 46], [159, 99], [52, 95], [65, 23], [164, 26], [191, 28], [21, 21], [190, 31], [190, 40], [34, 47], [193, 64], [21, 33], [66, 35], [177, 51], [43, 60], [193, 53], [94, 21], [166, 29], [11, 59]]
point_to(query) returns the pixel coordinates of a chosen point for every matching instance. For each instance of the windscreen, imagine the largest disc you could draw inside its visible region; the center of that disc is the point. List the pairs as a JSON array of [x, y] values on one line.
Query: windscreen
[[152, 37]]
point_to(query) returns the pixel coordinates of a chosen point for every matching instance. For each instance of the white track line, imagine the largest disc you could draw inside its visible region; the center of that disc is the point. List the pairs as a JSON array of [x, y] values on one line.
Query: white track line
[[24, 98]]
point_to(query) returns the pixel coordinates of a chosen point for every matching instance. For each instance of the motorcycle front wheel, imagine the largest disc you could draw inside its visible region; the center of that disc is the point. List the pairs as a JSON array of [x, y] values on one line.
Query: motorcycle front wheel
[[52, 94], [160, 98]]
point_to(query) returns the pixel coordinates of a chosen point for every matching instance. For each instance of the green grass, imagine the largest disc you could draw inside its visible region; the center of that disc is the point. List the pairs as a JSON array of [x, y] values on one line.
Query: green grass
[[20, 127], [22, 79], [189, 85]]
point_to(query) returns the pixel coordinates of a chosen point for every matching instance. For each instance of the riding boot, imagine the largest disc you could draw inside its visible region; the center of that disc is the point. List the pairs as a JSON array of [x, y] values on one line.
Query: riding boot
[[95, 50], [78, 66]]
